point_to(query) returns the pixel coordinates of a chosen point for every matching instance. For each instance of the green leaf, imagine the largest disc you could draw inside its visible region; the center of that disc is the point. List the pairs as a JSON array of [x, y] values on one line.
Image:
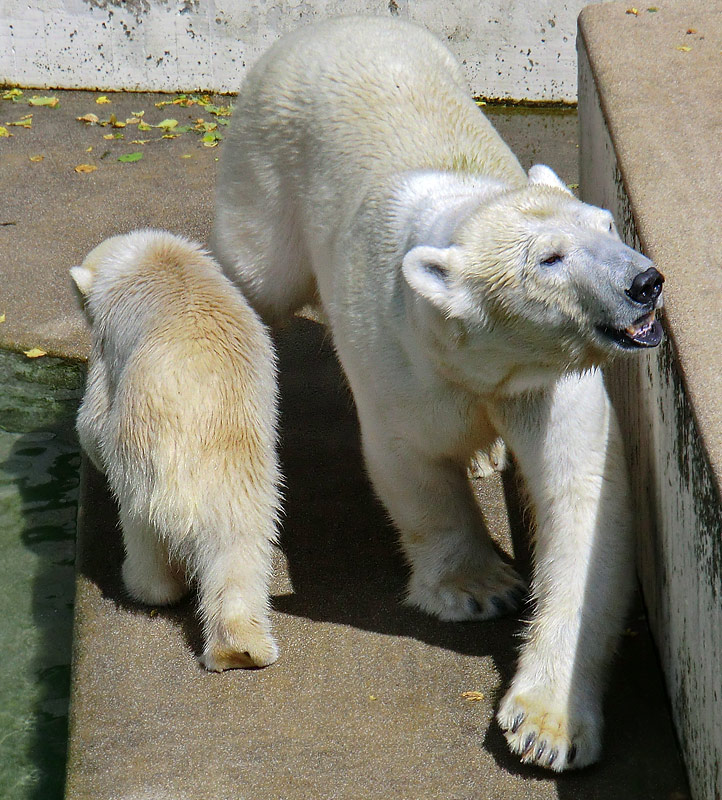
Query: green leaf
[[13, 95], [51, 102], [167, 124], [130, 157]]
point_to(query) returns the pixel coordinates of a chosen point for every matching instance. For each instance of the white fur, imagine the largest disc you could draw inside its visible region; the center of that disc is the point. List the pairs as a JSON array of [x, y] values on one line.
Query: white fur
[[467, 301], [180, 413]]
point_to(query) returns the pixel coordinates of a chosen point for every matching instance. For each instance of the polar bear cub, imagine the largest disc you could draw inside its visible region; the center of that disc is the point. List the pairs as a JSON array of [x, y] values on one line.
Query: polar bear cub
[[468, 301], [180, 413]]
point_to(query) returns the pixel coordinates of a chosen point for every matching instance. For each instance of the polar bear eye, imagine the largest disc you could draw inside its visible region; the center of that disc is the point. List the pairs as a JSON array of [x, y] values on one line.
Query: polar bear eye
[[551, 260]]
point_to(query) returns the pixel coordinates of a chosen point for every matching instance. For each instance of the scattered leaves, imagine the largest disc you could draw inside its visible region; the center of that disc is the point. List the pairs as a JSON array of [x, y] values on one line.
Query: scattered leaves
[[36, 159], [89, 149], [4, 133], [2, 317], [92, 119], [50, 102], [683, 48], [652, 9], [143, 126], [634, 11], [34, 352], [130, 157], [372, 697], [113, 136], [573, 185], [102, 100], [83, 168], [167, 124], [140, 141], [13, 95], [23, 122], [114, 122], [473, 697]]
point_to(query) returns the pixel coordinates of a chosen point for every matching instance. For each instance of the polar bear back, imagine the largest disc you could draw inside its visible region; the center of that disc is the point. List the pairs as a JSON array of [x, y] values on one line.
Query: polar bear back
[[365, 97]]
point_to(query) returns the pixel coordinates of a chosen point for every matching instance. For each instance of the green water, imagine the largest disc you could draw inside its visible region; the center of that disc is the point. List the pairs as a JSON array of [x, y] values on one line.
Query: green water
[[39, 462]]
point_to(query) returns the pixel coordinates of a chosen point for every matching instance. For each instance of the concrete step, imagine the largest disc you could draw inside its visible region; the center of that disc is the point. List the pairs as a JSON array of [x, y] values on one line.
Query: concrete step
[[650, 107], [366, 699]]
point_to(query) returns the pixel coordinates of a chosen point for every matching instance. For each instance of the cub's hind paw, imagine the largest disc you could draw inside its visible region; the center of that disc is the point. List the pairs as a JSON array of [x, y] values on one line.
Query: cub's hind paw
[[546, 734], [465, 595], [241, 647]]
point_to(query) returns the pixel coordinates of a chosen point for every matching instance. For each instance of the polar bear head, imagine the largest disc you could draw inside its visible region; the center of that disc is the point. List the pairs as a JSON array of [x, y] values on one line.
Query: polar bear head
[[540, 270]]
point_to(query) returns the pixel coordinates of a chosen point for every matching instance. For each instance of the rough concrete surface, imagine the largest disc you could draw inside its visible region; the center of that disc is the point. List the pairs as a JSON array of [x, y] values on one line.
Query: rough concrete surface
[[366, 699], [650, 144]]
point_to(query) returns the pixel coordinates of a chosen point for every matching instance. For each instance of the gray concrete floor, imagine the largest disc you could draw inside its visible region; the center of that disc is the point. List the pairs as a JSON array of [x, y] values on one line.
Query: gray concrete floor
[[366, 699]]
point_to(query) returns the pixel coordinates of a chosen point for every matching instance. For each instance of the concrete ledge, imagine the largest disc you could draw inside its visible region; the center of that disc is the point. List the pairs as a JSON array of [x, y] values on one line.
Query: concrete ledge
[[650, 107]]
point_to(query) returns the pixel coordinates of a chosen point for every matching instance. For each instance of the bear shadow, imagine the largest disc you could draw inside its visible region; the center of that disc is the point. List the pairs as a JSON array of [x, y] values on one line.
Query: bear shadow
[[345, 567]]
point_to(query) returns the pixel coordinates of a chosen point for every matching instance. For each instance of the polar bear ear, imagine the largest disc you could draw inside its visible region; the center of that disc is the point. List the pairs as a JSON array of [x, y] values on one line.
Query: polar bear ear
[[430, 272], [83, 279], [545, 176]]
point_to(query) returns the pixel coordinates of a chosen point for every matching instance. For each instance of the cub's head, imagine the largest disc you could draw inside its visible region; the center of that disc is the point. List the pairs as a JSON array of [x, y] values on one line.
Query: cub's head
[[84, 275], [544, 271]]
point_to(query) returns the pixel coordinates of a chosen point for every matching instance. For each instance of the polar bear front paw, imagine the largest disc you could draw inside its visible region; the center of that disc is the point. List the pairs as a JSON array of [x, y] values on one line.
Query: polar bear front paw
[[547, 733], [464, 595]]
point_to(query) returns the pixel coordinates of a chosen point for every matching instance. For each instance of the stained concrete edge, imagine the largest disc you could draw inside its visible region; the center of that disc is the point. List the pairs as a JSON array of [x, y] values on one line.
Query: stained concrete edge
[[650, 151]]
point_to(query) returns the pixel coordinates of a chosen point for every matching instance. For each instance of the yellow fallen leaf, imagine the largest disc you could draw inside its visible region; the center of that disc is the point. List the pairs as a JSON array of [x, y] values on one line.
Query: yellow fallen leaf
[[102, 100], [140, 141], [683, 48], [372, 697], [36, 159], [634, 11], [4, 133], [12, 94], [187, 155], [89, 149], [91, 118], [2, 317], [473, 697], [36, 352], [85, 168]]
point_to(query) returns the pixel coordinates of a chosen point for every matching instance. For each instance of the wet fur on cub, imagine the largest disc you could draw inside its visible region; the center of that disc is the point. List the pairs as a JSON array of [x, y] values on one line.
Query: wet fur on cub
[[180, 414]]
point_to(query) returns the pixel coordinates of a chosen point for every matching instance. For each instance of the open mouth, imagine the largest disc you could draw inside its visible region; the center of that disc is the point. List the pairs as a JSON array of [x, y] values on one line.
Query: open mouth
[[645, 332]]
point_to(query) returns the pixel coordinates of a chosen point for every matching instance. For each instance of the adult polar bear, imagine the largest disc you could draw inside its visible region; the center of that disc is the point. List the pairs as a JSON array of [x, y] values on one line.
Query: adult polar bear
[[467, 300]]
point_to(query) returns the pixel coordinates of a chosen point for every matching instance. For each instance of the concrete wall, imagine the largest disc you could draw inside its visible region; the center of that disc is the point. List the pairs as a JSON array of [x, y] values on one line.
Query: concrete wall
[[675, 485], [510, 48]]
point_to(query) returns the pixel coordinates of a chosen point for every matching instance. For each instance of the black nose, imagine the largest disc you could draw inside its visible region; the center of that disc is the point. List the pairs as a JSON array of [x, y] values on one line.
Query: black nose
[[646, 287]]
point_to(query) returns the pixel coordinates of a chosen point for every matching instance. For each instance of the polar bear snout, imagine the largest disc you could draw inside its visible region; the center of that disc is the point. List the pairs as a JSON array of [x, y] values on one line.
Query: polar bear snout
[[646, 287]]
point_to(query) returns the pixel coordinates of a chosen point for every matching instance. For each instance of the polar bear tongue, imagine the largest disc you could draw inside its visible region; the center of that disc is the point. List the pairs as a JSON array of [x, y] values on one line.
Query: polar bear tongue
[[645, 332]]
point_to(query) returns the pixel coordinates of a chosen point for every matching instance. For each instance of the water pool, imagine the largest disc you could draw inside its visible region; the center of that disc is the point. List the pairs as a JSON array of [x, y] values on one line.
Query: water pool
[[39, 460]]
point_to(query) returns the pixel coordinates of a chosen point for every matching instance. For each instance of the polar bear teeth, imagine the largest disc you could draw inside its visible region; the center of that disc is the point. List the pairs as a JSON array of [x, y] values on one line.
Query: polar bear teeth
[[641, 327]]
